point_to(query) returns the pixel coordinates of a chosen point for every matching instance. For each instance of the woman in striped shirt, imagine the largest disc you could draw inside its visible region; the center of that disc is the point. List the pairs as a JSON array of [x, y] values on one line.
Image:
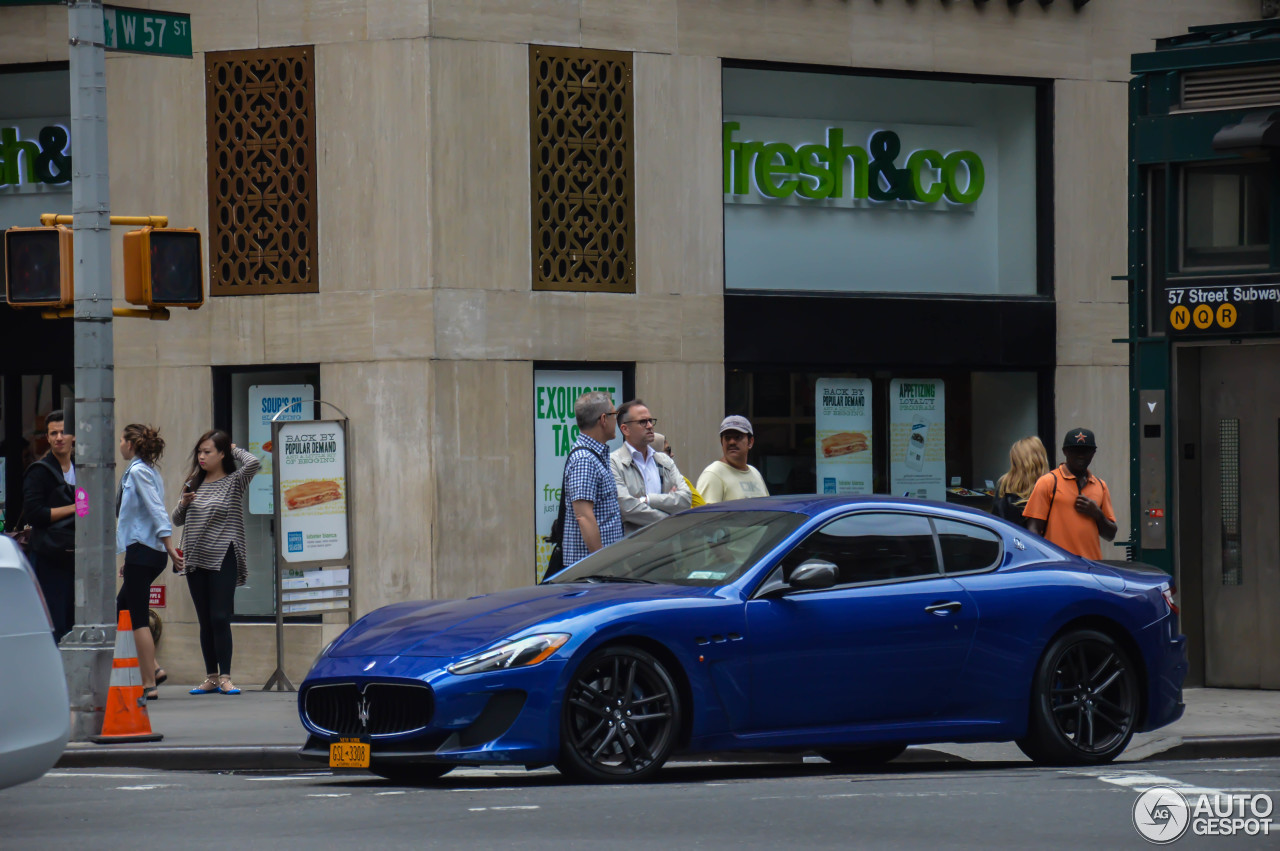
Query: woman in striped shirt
[[213, 550]]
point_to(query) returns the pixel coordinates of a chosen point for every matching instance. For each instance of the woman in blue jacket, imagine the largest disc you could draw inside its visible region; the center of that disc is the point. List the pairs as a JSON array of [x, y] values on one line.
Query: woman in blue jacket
[[145, 536]]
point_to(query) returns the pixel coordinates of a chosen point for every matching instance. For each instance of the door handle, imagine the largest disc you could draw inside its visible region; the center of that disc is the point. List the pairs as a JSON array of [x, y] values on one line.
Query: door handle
[[943, 608]]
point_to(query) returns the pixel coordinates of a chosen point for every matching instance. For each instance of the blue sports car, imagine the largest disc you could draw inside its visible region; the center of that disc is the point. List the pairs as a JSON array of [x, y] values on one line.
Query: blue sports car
[[849, 626]]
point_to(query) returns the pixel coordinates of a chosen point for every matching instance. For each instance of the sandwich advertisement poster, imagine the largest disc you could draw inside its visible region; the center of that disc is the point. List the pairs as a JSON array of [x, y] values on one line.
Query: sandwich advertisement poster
[[842, 409], [313, 491], [265, 401], [554, 432], [917, 438]]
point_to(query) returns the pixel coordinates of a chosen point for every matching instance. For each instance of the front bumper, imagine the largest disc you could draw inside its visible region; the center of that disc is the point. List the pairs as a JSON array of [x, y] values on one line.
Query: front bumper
[[501, 717]]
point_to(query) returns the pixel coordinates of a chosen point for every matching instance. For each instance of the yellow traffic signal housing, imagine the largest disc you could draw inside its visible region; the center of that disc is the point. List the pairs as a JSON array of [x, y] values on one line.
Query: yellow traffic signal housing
[[164, 267], [38, 267]]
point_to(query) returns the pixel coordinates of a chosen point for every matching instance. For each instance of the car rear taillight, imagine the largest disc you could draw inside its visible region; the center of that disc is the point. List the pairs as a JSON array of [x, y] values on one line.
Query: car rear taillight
[[1168, 593]]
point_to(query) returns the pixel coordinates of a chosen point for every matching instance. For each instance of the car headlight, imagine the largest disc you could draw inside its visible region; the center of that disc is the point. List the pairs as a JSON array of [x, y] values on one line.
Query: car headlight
[[514, 654]]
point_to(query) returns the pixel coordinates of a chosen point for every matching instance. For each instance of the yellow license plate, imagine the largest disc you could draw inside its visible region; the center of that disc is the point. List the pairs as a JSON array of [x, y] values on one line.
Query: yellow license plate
[[349, 753]]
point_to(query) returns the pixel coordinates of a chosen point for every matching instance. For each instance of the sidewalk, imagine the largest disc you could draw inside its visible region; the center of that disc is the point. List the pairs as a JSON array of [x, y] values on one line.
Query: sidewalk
[[260, 730]]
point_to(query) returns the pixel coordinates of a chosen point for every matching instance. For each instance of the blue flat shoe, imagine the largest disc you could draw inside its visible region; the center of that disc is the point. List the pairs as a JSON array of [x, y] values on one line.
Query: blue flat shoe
[[225, 686], [209, 686]]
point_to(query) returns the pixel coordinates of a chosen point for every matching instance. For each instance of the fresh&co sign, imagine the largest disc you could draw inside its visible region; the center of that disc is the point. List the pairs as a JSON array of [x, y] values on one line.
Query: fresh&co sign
[[880, 170]]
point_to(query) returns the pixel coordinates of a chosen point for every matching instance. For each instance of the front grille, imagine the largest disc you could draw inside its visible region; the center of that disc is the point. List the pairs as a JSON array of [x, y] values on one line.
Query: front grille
[[390, 709]]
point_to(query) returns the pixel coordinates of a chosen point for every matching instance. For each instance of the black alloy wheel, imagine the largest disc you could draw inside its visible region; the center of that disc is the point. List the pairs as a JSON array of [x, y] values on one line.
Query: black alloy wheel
[[411, 773], [621, 717], [864, 756], [1084, 701]]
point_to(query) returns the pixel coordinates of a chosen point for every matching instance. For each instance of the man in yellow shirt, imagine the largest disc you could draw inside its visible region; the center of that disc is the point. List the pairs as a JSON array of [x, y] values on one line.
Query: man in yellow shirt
[[732, 477]]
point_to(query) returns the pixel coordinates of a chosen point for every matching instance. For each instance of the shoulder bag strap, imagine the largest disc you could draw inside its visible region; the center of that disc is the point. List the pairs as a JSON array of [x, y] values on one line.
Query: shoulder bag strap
[[564, 486]]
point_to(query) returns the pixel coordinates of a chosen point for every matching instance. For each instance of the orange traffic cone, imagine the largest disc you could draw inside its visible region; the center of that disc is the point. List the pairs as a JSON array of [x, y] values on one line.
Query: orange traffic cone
[[125, 719]]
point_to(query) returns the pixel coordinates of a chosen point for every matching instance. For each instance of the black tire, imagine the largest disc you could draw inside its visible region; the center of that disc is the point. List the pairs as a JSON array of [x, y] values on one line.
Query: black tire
[[864, 756], [621, 717], [1084, 701], [411, 773]]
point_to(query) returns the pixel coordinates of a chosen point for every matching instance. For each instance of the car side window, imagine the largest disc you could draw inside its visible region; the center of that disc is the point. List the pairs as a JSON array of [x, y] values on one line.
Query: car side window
[[966, 547], [870, 548]]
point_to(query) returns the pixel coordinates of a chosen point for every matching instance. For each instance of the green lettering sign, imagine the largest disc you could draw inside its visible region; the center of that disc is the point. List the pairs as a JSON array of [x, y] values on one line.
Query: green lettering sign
[[24, 161], [817, 172]]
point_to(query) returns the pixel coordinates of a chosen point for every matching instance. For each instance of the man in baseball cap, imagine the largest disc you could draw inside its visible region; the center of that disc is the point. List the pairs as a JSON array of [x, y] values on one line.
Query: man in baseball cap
[[732, 477], [1070, 506]]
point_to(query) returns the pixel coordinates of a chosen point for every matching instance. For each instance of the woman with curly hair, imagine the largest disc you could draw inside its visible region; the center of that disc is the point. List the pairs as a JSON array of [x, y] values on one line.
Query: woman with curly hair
[[144, 535], [1028, 461]]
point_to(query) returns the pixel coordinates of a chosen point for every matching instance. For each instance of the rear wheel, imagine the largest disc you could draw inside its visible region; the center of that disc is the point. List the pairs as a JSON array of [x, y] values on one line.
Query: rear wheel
[[411, 774], [1084, 701], [863, 757], [621, 717]]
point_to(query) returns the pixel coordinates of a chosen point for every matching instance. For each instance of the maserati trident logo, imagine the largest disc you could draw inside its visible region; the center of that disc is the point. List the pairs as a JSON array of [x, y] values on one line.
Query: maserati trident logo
[[362, 712]]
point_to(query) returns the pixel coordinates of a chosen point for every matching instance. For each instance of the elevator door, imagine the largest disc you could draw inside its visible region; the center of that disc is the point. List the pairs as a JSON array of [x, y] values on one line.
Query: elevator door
[[1240, 429]]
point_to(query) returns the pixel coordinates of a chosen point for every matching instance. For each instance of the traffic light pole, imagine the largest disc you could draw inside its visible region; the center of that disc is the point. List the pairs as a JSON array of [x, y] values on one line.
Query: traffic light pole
[[87, 649]]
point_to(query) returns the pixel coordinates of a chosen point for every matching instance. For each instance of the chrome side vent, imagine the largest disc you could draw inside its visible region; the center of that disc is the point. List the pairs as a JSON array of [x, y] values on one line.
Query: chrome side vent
[[1228, 87]]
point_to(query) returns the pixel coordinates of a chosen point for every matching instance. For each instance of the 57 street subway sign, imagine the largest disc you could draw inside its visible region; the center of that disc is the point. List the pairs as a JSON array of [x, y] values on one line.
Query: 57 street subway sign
[[1220, 309], [146, 31]]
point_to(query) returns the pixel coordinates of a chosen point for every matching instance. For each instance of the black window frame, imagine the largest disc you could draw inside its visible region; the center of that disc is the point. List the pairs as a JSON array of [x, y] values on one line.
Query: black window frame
[[774, 580], [942, 555]]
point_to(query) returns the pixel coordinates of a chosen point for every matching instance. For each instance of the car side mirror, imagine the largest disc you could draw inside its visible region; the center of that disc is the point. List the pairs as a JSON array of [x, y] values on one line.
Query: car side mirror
[[814, 574]]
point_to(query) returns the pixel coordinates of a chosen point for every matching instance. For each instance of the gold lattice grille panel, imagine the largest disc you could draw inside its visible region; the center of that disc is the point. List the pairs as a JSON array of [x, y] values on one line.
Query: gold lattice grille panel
[[583, 169], [262, 153]]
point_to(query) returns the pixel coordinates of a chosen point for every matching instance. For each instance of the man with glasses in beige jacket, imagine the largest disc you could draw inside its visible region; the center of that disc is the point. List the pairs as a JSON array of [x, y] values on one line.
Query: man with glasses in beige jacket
[[650, 486]]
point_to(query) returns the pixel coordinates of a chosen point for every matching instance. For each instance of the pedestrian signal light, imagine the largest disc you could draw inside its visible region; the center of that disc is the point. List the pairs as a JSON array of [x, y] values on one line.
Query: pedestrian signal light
[[38, 270], [164, 267]]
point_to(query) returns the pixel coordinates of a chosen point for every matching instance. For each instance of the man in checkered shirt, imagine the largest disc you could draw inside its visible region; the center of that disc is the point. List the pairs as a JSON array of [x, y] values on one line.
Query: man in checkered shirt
[[593, 520]]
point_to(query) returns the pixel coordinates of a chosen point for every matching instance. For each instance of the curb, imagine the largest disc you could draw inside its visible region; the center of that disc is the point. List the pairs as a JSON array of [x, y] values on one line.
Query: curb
[[285, 757], [264, 757], [1222, 747]]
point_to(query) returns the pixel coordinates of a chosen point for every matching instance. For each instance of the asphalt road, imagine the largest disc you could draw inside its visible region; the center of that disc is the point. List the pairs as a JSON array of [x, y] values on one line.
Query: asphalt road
[[694, 805]]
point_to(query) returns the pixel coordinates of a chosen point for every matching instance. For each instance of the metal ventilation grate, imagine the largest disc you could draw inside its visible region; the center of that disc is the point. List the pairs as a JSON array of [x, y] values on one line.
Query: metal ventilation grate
[[583, 170], [1253, 86], [262, 171], [1229, 476]]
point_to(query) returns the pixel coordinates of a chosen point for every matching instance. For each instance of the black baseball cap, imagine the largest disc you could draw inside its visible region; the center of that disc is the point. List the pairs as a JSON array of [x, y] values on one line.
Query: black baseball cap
[[1079, 438]]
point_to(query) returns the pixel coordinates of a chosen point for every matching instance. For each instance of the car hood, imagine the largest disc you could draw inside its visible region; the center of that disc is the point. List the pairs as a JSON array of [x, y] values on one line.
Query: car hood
[[448, 628]]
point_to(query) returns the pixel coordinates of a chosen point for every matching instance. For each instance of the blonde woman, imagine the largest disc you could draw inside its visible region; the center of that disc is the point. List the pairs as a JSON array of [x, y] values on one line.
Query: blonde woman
[[1027, 462]]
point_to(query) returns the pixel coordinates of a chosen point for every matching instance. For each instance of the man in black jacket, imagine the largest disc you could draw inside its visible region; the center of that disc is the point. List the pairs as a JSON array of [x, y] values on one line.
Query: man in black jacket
[[48, 494]]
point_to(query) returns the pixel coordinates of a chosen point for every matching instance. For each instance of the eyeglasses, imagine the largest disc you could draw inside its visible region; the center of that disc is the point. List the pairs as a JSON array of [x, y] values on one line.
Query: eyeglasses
[[646, 422], [610, 414]]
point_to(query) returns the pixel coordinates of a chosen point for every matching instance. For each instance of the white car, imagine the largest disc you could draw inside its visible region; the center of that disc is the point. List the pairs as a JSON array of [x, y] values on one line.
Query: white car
[[35, 718]]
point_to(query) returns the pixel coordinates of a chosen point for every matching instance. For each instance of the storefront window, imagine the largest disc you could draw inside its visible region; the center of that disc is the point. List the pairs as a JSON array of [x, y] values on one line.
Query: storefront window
[[244, 401], [838, 182], [976, 416]]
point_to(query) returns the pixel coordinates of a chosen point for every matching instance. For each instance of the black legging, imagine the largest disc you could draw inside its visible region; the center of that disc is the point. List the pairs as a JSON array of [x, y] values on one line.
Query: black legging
[[214, 593], [141, 567]]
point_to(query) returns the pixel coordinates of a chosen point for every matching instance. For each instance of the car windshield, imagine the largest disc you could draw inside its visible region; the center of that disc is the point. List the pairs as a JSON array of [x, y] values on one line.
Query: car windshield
[[697, 548]]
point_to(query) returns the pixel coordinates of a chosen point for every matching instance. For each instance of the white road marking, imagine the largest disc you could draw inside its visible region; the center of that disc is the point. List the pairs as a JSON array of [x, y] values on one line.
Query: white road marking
[[494, 789], [143, 788], [1141, 781], [401, 792], [330, 795], [292, 777], [87, 774], [484, 809]]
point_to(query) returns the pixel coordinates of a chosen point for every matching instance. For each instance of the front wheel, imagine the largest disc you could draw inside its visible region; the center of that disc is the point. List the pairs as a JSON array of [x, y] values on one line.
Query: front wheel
[[621, 717], [411, 774], [1084, 701]]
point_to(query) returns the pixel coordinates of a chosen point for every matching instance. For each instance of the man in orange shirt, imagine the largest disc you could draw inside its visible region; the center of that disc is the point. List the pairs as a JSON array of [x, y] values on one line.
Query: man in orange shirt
[[1071, 507]]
